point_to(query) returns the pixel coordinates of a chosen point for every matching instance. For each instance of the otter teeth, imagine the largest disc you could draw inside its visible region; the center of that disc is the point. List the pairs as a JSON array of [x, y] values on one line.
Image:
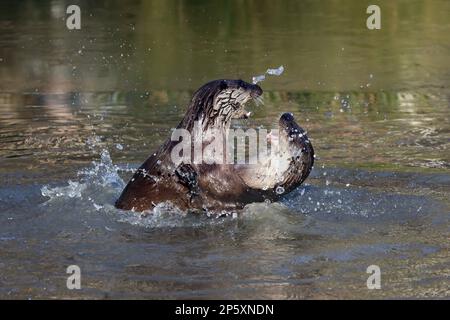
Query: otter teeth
[[245, 115]]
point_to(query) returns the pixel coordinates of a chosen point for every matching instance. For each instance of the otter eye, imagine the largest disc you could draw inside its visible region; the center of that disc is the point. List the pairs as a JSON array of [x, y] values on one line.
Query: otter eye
[[223, 85]]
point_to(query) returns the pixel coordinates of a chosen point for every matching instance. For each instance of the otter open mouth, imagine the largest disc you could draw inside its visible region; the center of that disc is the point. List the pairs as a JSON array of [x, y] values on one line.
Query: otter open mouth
[[288, 162], [243, 113], [229, 103]]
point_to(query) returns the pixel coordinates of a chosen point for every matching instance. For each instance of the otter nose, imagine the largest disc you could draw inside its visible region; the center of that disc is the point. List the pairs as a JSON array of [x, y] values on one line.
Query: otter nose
[[287, 117], [256, 90]]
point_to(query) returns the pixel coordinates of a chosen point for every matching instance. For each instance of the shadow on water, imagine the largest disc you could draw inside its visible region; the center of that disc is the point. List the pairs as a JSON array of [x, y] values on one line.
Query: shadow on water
[[79, 111]]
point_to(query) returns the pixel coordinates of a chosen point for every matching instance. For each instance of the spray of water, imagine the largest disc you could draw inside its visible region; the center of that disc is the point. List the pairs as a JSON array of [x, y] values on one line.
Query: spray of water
[[272, 72]]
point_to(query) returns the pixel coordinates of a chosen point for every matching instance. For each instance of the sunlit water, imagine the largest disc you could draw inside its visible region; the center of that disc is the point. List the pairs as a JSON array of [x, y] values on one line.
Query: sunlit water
[[80, 111]]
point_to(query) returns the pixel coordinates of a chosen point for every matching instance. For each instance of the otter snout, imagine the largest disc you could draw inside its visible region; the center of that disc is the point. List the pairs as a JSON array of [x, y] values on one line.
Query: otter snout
[[253, 89], [287, 118], [256, 91], [290, 130]]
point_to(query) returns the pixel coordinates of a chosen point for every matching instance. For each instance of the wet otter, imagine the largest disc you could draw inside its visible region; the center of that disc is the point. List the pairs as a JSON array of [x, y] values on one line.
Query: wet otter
[[220, 186]]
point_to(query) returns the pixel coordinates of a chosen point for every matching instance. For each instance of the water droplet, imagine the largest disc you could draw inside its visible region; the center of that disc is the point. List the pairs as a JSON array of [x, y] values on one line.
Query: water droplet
[[275, 72], [259, 78], [279, 190]]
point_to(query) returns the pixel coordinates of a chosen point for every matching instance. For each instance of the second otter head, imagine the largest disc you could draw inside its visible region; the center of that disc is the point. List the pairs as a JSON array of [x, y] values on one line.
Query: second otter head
[[219, 101], [295, 149]]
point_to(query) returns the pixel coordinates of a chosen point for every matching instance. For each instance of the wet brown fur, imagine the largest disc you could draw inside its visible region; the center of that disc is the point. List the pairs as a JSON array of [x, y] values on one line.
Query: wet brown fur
[[202, 186]]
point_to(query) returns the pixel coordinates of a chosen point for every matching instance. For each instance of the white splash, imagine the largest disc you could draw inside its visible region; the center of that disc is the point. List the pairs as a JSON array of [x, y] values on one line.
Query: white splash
[[73, 190], [101, 178], [279, 190], [259, 78], [272, 72], [275, 72]]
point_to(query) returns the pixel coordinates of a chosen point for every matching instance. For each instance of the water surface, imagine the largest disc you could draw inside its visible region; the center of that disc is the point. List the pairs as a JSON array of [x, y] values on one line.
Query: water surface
[[79, 110]]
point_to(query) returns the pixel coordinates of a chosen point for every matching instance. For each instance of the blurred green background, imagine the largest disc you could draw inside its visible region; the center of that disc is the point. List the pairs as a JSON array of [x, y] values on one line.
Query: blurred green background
[[163, 44]]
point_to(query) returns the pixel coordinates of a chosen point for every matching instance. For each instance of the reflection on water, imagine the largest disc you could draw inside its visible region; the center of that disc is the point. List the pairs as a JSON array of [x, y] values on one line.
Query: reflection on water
[[376, 105], [392, 130], [324, 45]]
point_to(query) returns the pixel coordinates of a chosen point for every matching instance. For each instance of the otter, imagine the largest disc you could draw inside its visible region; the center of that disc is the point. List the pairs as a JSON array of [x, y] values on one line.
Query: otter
[[219, 187]]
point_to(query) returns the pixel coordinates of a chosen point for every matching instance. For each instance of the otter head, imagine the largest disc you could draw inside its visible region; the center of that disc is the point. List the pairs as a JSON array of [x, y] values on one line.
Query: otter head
[[287, 165], [296, 150], [219, 101]]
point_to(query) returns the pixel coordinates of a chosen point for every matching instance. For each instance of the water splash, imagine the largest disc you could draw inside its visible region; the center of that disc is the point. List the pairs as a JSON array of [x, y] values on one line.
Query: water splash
[[279, 190], [273, 72], [73, 190], [259, 78], [103, 173], [96, 184]]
